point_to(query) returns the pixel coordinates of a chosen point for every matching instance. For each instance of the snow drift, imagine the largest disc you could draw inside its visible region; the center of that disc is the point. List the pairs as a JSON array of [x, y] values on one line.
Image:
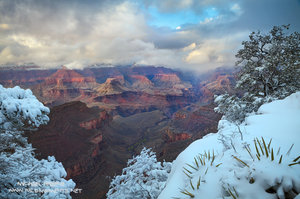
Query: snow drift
[[257, 159]]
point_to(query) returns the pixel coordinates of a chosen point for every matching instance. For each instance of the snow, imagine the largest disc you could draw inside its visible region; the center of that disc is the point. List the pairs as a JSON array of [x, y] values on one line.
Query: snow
[[22, 106], [143, 177], [21, 174], [241, 174]]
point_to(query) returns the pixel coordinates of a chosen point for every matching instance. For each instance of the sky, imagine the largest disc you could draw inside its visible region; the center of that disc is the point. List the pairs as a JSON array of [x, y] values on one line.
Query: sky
[[186, 34]]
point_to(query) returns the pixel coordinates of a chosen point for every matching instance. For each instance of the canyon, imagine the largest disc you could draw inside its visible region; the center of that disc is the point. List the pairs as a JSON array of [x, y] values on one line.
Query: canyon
[[101, 116]]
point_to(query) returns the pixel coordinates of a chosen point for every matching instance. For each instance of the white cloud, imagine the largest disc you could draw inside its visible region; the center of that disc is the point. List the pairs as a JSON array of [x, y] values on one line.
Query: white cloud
[[78, 34], [27, 41], [214, 52]]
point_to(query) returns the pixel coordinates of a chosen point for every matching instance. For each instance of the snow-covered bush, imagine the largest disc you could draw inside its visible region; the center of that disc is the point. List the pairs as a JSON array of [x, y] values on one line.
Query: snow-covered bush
[[269, 69], [143, 177], [236, 109], [21, 174], [257, 159]]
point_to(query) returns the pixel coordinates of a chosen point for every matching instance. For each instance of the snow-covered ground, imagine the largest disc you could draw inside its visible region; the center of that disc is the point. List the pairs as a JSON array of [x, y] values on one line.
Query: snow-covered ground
[[232, 168]]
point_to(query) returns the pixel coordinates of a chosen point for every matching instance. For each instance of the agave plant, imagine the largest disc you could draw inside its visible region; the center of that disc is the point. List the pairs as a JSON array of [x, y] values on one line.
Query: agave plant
[[265, 150], [201, 162]]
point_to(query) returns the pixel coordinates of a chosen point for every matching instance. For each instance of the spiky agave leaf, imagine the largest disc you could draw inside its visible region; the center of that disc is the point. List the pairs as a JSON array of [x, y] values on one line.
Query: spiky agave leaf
[[187, 170], [192, 167], [200, 159], [296, 159], [292, 164], [237, 195], [287, 153], [232, 195], [218, 164], [280, 160], [241, 161], [265, 147], [186, 192], [196, 162], [272, 155], [269, 143], [249, 151], [198, 183], [213, 158], [192, 185], [257, 151], [206, 171], [187, 174], [259, 144]]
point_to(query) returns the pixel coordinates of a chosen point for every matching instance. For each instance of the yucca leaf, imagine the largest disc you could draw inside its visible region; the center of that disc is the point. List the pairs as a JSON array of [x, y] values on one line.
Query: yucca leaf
[[198, 183], [187, 174], [257, 157], [187, 170], [231, 194], [196, 162], [290, 149], [213, 159], [200, 160], [269, 144], [206, 170], [241, 161], [218, 164], [262, 151], [192, 167], [272, 155], [265, 146], [249, 152], [278, 151], [192, 185], [292, 164], [257, 151], [237, 195], [233, 146], [186, 192], [295, 160], [280, 160]]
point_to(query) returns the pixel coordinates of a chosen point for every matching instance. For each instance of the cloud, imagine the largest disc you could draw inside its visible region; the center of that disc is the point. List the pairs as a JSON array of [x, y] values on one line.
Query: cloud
[[81, 33], [214, 52]]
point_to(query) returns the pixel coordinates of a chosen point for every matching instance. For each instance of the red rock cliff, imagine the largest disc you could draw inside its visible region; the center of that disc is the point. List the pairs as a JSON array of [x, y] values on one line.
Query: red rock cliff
[[74, 136]]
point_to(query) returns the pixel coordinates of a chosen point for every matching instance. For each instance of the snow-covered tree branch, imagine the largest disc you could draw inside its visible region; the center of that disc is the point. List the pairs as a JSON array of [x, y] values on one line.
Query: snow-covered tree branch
[[269, 68], [143, 178], [21, 174]]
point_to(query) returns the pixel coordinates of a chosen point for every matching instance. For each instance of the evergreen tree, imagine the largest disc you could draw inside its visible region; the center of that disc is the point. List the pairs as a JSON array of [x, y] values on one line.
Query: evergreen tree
[[270, 63], [21, 174], [143, 178], [269, 69]]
